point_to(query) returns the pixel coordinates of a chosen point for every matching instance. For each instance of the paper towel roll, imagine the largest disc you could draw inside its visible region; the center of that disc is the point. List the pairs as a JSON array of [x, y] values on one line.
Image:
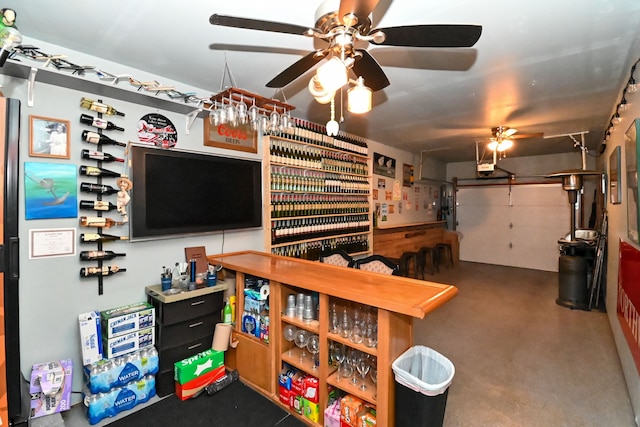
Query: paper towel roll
[[264, 292], [222, 337]]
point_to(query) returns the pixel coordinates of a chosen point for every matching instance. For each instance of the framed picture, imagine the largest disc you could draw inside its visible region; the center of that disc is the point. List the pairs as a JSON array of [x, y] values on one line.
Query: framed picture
[[631, 157], [50, 190], [48, 137], [383, 165], [407, 175], [615, 189]]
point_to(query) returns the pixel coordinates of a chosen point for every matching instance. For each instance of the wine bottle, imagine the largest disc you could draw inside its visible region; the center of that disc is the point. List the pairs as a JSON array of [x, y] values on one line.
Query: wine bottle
[[98, 123], [99, 107], [97, 205], [95, 171], [94, 255], [95, 221], [100, 156], [97, 188], [95, 237], [96, 138], [106, 270]]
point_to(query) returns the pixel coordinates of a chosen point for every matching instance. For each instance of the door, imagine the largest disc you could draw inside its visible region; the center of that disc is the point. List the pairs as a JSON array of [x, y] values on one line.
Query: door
[[517, 226]]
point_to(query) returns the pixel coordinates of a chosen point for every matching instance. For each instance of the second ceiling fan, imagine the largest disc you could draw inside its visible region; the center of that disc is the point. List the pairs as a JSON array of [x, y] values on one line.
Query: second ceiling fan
[[503, 136], [342, 24]]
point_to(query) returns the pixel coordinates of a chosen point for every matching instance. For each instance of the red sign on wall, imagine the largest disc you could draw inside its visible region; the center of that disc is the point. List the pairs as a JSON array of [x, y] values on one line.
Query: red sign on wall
[[628, 305]]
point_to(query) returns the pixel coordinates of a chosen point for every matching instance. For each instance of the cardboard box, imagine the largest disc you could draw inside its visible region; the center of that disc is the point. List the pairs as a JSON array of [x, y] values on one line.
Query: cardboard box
[[285, 395], [192, 367], [126, 319], [123, 344], [350, 407], [296, 403], [90, 337], [50, 387], [310, 410], [310, 387], [193, 387], [368, 419], [332, 415]]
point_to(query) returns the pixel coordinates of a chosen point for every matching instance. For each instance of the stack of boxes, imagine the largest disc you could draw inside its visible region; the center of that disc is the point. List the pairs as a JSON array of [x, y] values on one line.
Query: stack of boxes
[[350, 411], [119, 359], [300, 391], [195, 373]]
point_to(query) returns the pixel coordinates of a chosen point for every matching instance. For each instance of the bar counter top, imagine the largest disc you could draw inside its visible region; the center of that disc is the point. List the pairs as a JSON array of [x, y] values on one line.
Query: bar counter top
[[402, 295]]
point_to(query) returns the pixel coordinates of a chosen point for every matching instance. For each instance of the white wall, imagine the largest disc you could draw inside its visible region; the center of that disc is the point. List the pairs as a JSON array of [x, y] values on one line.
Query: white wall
[[51, 291], [618, 231]]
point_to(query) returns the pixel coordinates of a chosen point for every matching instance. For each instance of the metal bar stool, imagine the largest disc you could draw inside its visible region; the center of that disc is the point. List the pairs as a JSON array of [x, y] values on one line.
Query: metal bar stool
[[405, 264], [444, 253], [428, 256]]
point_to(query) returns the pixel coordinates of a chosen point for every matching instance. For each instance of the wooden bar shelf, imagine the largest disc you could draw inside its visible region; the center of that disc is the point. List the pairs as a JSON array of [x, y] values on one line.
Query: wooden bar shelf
[[397, 301]]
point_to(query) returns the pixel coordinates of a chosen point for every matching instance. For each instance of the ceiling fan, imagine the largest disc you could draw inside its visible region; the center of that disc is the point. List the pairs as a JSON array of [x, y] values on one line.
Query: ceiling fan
[[503, 136], [343, 23]]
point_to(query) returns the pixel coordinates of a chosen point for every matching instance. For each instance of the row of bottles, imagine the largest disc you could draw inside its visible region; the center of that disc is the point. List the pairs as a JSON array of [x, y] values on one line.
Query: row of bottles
[[290, 230], [309, 157], [285, 205], [312, 250], [312, 133], [291, 179]]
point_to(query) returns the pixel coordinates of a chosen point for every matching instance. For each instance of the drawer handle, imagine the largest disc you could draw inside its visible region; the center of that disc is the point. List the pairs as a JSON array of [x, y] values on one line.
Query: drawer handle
[[193, 325], [197, 302], [194, 346]]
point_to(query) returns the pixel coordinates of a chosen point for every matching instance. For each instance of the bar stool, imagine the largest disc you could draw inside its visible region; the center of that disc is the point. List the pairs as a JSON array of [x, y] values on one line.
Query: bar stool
[[405, 264], [428, 255], [444, 253]]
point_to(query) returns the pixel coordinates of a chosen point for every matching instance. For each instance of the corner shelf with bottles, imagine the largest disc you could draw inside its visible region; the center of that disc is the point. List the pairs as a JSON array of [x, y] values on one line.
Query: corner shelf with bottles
[[319, 192]]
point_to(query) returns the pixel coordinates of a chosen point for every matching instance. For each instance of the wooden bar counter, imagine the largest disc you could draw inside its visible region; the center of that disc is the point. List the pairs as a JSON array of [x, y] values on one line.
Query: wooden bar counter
[[393, 241], [397, 299]]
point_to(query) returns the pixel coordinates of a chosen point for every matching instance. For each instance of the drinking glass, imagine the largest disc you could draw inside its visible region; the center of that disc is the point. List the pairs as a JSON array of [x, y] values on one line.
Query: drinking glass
[[357, 332], [371, 334], [301, 338], [289, 332], [352, 361], [241, 111], [339, 353], [374, 377], [363, 369], [345, 325], [334, 323], [314, 348]]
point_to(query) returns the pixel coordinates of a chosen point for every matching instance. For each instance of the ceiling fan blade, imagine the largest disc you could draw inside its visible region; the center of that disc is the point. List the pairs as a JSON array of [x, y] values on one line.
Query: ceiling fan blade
[[297, 69], [527, 135], [358, 8], [256, 24], [367, 67], [431, 35], [506, 133]]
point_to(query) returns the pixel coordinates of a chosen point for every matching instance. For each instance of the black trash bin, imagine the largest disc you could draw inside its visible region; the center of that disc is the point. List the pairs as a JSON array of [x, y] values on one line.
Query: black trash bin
[[422, 379]]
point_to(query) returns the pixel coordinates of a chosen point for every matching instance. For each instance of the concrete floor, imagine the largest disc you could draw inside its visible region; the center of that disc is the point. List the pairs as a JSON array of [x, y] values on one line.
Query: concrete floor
[[521, 359]]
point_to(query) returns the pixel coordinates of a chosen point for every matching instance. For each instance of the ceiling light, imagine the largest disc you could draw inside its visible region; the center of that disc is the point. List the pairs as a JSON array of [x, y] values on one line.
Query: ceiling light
[[632, 85], [623, 105], [332, 75], [321, 95], [616, 119], [359, 98], [500, 145]]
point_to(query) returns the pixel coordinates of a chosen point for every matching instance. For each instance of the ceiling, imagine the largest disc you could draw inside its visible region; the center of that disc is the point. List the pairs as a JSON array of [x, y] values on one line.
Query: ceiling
[[539, 66]]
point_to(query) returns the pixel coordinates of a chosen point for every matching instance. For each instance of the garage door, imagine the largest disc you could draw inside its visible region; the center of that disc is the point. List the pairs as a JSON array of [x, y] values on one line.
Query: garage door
[[517, 226]]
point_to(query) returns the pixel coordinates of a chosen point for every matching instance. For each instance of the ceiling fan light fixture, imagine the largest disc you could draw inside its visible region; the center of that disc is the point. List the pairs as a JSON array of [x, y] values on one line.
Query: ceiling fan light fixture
[[500, 146], [321, 95], [359, 98], [332, 75]]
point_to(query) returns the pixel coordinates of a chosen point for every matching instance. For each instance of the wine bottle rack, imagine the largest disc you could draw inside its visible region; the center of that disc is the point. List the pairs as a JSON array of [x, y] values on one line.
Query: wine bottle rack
[[102, 267], [319, 192]]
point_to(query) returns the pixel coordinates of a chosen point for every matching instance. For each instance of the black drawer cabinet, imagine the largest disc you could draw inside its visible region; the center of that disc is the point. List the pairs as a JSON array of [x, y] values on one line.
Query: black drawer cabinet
[[184, 326]]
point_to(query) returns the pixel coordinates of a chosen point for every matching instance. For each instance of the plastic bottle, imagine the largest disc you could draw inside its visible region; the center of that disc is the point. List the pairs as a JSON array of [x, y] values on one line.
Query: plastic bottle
[[232, 302], [226, 314]]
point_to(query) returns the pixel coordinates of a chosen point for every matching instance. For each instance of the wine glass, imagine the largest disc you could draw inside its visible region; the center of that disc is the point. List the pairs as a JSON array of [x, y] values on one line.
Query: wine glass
[[289, 332], [314, 348], [357, 331], [371, 334], [339, 353], [241, 111], [345, 325], [363, 369], [374, 377], [352, 361], [301, 338]]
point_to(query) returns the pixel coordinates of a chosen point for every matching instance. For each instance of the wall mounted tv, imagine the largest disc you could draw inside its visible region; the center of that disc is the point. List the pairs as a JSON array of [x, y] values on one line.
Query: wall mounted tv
[[177, 193]]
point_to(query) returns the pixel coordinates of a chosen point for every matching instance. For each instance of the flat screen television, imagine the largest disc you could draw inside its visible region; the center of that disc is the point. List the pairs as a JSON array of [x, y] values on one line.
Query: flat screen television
[[177, 193]]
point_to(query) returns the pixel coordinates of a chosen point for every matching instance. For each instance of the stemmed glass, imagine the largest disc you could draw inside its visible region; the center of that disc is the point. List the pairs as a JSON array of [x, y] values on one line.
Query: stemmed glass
[[357, 331], [345, 326], [289, 332], [339, 353], [352, 361], [371, 334], [363, 368], [374, 377], [314, 348], [301, 339], [254, 116], [241, 111]]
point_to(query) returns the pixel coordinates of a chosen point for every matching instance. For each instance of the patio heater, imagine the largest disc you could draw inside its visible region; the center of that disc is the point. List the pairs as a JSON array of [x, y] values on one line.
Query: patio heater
[[577, 249]]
